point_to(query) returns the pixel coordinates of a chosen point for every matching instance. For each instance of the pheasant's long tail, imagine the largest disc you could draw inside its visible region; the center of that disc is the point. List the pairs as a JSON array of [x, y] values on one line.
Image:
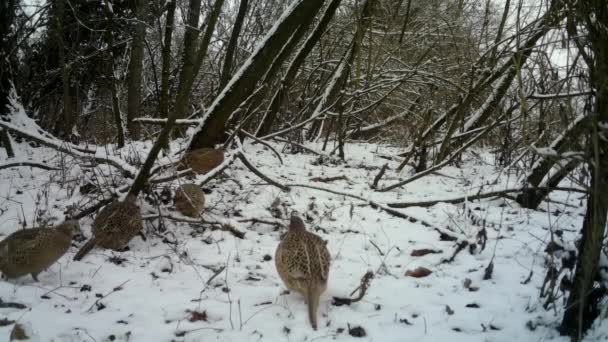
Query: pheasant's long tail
[[313, 304]]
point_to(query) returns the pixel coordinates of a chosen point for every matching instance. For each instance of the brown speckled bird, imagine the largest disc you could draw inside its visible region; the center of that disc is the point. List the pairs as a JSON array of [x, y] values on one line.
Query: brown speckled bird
[[189, 200], [201, 160], [31, 251], [302, 260], [114, 226]]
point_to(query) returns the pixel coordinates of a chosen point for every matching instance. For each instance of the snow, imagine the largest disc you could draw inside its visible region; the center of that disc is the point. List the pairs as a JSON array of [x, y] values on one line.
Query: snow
[[153, 292]]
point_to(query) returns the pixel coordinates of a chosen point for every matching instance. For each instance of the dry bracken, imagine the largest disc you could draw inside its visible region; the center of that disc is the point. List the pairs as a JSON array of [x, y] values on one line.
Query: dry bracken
[[189, 200], [31, 251], [114, 226], [302, 261], [201, 160]]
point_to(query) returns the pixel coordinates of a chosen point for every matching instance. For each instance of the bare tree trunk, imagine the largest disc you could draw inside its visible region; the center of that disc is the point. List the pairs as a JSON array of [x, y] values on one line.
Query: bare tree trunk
[[166, 60], [64, 126], [580, 309], [568, 141], [134, 77], [242, 86], [163, 137], [7, 14], [232, 45], [279, 96], [264, 86], [343, 69], [118, 120], [193, 56], [188, 57]]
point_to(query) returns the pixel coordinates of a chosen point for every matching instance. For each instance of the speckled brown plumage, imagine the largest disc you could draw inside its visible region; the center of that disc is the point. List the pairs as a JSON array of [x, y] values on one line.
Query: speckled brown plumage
[[302, 261], [31, 251], [189, 200], [114, 226], [201, 160]]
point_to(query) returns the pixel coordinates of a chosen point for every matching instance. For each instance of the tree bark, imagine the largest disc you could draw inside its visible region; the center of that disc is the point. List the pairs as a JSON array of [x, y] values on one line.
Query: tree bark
[[134, 77], [232, 45], [242, 85], [279, 96], [64, 126], [343, 69], [568, 141], [118, 120], [581, 309], [193, 56], [144, 173], [166, 60], [7, 15]]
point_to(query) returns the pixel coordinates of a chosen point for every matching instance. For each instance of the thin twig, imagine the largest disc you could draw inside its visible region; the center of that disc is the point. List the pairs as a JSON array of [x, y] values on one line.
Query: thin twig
[[258, 173]]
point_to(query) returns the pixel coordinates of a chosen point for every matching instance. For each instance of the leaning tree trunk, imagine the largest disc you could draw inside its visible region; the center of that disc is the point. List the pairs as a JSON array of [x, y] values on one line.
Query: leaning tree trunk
[[7, 14], [580, 310], [531, 196], [504, 72], [193, 56], [338, 81], [163, 137], [253, 102], [134, 76], [232, 45], [243, 84], [279, 96]]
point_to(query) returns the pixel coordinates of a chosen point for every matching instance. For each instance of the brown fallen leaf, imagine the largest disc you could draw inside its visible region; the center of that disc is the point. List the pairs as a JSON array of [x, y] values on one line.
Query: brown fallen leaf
[[449, 310], [196, 316], [423, 252], [419, 272]]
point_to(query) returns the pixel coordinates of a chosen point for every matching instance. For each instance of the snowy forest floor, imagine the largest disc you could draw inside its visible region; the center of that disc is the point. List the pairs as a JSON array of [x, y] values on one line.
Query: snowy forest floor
[[187, 283]]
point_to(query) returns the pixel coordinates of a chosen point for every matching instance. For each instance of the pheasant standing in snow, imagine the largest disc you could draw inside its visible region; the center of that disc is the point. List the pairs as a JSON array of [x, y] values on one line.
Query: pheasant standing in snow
[[302, 261], [114, 226], [189, 200], [31, 251]]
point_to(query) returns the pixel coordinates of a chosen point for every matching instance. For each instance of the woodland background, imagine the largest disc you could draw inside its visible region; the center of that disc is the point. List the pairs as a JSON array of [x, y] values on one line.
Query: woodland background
[[115, 83]]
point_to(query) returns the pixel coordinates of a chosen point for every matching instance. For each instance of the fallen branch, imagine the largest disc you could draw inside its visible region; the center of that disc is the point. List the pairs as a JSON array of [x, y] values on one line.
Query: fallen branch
[[258, 173], [460, 246], [181, 122], [362, 288], [72, 150], [216, 224], [373, 204], [91, 209], [279, 139], [472, 197], [228, 160], [27, 163], [256, 220], [258, 140], [328, 179], [379, 176]]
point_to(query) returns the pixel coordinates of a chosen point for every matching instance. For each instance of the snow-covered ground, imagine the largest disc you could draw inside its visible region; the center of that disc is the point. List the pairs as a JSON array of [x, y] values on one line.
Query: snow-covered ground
[[185, 283]]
